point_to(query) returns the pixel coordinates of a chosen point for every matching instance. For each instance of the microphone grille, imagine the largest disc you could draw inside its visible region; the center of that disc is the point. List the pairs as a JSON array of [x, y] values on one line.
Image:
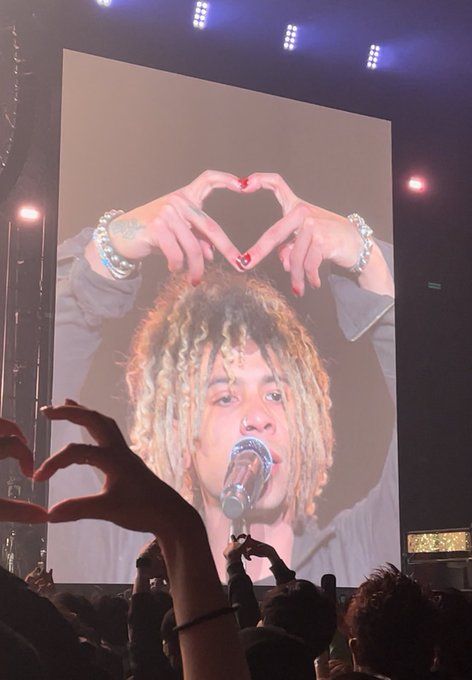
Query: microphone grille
[[258, 446]]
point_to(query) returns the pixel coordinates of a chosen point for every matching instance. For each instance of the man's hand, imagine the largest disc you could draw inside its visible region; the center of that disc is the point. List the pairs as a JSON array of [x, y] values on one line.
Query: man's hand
[[307, 235], [235, 548], [252, 548], [157, 567], [132, 496], [175, 225], [41, 581], [13, 445]]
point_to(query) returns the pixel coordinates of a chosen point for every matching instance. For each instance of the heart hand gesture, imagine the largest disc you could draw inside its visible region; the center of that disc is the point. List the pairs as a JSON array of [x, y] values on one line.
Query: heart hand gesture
[[175, 225], [305, 236]]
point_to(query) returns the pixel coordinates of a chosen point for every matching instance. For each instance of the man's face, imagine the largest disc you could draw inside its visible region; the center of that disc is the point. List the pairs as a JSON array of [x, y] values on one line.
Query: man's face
[[251, 406]]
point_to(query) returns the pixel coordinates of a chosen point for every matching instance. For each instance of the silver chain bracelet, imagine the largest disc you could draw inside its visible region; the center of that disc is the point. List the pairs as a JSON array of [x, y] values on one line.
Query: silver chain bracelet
[[118, 266], [367, 242]]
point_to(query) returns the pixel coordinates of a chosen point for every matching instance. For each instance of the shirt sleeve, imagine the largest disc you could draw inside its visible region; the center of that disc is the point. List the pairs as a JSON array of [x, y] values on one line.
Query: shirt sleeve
[[241, 593], [281, 572], [96, 550], [84, 300], [366, 535], [372, 524], [147, 657]]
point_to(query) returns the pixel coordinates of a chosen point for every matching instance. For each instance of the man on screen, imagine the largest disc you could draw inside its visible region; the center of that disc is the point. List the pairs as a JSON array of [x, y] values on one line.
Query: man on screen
[[218, 362], [228, 358]]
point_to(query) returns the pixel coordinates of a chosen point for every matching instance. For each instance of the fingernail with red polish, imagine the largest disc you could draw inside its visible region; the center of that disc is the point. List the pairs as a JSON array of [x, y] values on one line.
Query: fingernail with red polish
[[244, 260], [295, 291], [243, 182]]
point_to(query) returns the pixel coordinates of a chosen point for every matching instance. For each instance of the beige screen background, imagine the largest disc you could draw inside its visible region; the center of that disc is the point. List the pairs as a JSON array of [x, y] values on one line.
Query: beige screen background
[[130, 134]]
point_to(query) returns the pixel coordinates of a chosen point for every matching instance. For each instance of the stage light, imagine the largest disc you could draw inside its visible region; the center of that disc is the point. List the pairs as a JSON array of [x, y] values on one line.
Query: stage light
[[373, 57], [103, 3], [290, 39], [200, 15], [417, 184], [28, 213]]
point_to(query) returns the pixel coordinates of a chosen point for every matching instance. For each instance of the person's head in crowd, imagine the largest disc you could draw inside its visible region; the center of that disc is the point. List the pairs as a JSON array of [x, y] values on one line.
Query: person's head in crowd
[[454, 649], [170, 641], [393, 626], [226, 359], [273, 654], [79, 611], [112, 620], [303, 610]]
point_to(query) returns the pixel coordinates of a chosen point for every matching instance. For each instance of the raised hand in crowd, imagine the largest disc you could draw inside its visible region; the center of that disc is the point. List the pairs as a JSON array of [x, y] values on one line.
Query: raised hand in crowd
[[13, 444], [308, 235], [235, 549], [176, 226], [253, 548], [41, 581], [148, 608], [150, 566], [134, 498]]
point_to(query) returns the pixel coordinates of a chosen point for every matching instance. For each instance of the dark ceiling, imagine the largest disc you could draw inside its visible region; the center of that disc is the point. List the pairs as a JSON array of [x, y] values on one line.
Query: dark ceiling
[[426, 45]]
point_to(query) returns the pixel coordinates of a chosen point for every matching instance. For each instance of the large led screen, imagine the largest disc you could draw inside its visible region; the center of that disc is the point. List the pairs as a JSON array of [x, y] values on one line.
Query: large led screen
[[261, 348]]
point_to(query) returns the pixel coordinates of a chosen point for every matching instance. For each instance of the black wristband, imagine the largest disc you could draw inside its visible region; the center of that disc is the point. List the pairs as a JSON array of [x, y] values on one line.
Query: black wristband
[[143, 562], [207, 617]]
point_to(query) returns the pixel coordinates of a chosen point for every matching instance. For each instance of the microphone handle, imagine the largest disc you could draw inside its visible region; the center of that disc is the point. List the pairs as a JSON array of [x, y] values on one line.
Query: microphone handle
[[243, 484], [238, 526]]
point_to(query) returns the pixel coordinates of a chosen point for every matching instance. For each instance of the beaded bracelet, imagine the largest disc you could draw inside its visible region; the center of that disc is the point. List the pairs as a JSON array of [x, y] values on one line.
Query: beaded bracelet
[[367, 243], [118, 266], [206, 617]]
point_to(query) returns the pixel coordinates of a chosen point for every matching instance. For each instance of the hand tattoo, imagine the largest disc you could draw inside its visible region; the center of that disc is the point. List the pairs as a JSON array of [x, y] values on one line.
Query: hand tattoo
[[125, 228]]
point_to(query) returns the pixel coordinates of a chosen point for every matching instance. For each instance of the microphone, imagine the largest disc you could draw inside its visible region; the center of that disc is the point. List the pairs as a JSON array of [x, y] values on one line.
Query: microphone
[[250, 463]]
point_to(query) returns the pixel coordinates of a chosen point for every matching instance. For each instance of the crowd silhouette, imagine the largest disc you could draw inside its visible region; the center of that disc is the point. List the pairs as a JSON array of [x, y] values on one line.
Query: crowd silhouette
[[178, 622]]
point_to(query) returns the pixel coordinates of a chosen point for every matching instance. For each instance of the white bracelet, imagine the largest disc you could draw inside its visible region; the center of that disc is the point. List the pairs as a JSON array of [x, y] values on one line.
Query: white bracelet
[[118, 266], [367, 243]]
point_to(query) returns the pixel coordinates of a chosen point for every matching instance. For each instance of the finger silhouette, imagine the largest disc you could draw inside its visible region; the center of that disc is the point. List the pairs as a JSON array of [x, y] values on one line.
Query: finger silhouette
[[11, 446]]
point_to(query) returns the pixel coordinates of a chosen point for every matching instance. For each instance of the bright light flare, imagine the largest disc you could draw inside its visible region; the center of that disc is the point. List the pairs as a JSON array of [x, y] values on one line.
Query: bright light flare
[[201, 14], [28, 213], [291, 34], [373, 58], [104, 3], [417, 185]]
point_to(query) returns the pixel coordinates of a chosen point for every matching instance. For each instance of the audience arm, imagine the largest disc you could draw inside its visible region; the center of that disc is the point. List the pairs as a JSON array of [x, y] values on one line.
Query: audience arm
[[134, 498]]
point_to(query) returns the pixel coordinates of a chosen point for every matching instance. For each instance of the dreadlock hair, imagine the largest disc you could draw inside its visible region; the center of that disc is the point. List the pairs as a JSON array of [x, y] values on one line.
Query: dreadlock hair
[[168, 390]]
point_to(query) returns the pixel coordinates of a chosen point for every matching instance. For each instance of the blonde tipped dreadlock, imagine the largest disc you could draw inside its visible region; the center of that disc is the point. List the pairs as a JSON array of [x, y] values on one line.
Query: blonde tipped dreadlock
[[168, 391]]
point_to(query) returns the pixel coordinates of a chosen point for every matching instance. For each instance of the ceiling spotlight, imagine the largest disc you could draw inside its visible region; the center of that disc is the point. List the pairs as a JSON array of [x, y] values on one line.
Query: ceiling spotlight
[[104, 3], [417, 184], [290, 39], [373, 57], [200, 14], [28, 213]]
